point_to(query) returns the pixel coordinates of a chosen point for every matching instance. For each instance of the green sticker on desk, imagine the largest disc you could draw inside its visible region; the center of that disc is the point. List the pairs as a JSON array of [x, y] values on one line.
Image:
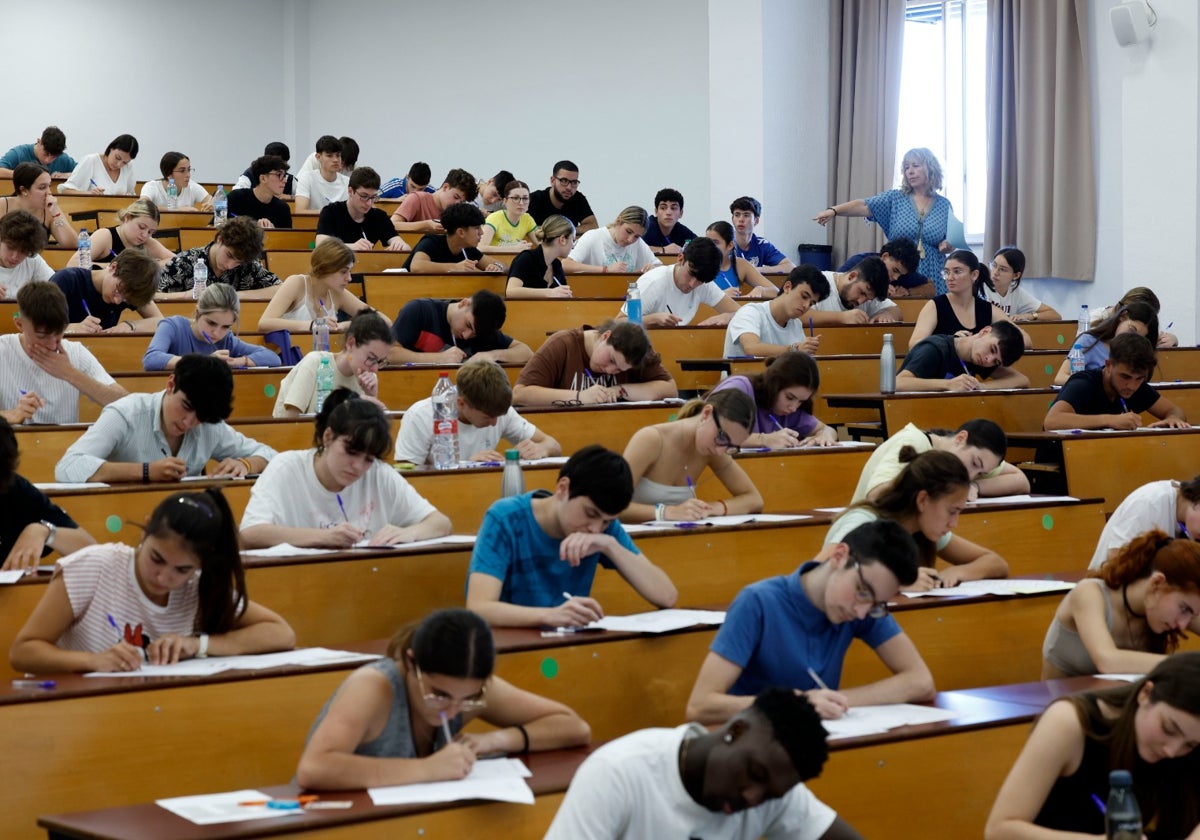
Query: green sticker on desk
[[112, 523], [1047, 522], [269, 390], [1049, 369], [672, 417], [1061, 340], [549, 668]]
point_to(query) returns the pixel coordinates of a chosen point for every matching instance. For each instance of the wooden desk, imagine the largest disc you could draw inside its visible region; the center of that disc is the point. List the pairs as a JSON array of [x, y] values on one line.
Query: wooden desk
[[840, 339], [178, 219]]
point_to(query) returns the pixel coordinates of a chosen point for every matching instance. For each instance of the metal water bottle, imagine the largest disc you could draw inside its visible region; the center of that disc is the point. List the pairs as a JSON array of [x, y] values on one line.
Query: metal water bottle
[[887, 366]]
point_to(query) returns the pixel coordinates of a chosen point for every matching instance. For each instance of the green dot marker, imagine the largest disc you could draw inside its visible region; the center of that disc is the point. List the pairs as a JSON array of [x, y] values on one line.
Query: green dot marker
[[269, 390], [549, 668], [1061, 340], [113, 523], [1048, 522], [672, 418], [1049, 369]]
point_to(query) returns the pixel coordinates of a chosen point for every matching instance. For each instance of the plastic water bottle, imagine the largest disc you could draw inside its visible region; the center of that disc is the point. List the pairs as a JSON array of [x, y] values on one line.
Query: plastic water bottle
[[633, 303], [172, 195], [320, 333], [1085, 319], [1076, 358], [1123, 817], [85, 249], [324, 382], [445, 424], [513, 482], [220, 207], [887, 366], [199, 278]]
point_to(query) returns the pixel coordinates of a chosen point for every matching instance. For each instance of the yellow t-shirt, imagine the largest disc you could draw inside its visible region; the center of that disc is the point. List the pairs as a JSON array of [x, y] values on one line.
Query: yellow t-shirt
[[509, 234]]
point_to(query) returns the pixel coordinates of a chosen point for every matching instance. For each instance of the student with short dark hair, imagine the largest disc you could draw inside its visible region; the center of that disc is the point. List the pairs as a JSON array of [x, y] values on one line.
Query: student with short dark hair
[[44, 373], [22, 240], [485, 417], [48, 151], [492, 191], [976, 361], [166, 435], [355, 367], [357, 221], [1114, 396], [429, 330], [327, 183], [748, 245], [900, 257], [593, 366], [417, 180], [672, 294], [781, 630], [533, 548], [32, 192], [774, 327], [456, 250], [563, 197], [189, 195], [233, 257], [421, 211], [665, 234], [861, 296], [689, 782], [97, 297], [110, 173], [247, 180], [269, 179]]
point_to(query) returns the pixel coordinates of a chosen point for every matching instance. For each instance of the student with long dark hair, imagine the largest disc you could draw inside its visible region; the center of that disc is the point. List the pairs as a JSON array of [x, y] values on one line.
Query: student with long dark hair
[[783, 395]]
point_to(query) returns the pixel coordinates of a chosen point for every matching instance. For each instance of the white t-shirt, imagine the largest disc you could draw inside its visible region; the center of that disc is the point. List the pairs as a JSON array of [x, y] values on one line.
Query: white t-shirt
[[833, 303], [61, 398], [189, 196], [415, 440], [320, 192], [850, 520], [288, 493], [596, 247], [30, 268], [660, 294], [91, 169], [1150, 506], [100, 582], [630, 788], [756, 318], [1016, 302], [299, 388]]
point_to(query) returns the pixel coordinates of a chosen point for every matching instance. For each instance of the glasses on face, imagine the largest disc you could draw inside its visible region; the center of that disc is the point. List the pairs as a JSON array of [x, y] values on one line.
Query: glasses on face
[[374, 361], [954, 272], [440, 701], [366, 199], [183, 170], [866, 595], [521, 199], [278, 173], [998, 269], [721, 438], [567, 182]]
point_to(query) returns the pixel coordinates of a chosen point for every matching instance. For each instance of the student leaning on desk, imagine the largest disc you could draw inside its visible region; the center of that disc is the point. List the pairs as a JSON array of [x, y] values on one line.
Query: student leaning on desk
[[111, 607], [398, 720]]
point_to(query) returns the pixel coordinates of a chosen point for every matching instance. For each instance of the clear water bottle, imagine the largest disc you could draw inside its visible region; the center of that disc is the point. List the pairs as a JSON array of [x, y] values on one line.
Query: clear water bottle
[[1085, 319], [199, 278], [1122, 817], [172, 195], [445, 424], [887, 366], [320, 333], [324, 382], [220, 207], [1075, 357], [633, 303], [85, 249], [513, 482]]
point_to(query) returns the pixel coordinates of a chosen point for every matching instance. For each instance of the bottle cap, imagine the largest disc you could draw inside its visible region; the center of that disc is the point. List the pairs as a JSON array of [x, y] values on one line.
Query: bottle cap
[[1120, 778], [512, 455]]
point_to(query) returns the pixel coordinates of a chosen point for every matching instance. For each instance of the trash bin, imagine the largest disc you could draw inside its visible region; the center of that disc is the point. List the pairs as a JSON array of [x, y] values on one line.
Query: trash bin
[[820, 256]]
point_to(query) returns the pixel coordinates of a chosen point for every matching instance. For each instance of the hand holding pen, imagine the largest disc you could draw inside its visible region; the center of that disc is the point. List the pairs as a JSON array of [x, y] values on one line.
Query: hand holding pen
[[120, 657], [90, 323], [830, 704], [575, 611]]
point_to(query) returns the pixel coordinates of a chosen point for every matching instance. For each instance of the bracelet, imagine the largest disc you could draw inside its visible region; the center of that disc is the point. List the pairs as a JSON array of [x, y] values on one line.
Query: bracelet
[[525, 735], [832, 210], [724, 508], [202, 651], [312, 324], [132, 328], [145, 472], [246, 463], [604, 269], [660, 512]]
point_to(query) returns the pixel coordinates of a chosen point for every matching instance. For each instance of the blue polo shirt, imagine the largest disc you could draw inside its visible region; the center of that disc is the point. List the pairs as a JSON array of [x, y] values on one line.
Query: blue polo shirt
[[759, 252], [774, 633], [25, 154]]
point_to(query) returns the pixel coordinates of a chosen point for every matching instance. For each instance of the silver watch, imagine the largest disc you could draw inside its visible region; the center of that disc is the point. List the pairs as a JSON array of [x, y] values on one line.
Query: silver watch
[[53, 529]]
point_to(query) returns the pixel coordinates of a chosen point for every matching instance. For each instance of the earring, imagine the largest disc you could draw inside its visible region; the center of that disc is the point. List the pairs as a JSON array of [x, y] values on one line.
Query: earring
[[728, 738]]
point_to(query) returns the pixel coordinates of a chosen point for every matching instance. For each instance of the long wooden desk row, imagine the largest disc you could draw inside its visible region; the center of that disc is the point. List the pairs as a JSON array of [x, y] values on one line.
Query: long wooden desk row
[[967, 757]]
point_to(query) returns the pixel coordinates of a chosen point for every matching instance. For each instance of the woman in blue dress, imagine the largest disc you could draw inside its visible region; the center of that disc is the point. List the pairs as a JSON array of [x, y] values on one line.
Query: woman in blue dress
[[913, 210]]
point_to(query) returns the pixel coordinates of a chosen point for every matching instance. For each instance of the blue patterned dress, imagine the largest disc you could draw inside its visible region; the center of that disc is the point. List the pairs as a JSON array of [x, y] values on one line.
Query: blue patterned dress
[[896, 214]]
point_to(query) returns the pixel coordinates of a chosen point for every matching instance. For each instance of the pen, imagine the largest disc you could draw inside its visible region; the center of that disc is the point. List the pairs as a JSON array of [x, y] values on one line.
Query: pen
[[116, 627], [692, 524], [208, 338], [92, 182], [1100, 804], [24, 393], [687, 477], [490, 463], [566, 631], [446, 727], [1170, 325], [338, 496], [568, 596], [810, 326], [83, 303], [1124, 407], [669, 309], [817, 679], [778, 425], [47, 684]]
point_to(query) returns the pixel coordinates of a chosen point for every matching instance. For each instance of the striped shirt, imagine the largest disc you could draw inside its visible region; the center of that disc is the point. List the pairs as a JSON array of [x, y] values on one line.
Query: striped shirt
[[21, 373], [101, 582]]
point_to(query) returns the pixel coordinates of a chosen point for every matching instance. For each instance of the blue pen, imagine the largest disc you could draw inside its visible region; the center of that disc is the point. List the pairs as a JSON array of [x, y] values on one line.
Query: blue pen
[[1183, 530], [24, 393], [775, 420], [83, 303], [92, 182], [690, 485], [810, 326], [490, 463], [1124, 407], [1170, 325], [342, 506], [1100, 804], [117, 627], [208, 338], [46, 684]]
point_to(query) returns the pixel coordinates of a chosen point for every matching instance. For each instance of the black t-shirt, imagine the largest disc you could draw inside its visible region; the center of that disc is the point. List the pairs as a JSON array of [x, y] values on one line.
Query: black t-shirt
[[24, 504], [289, 185], [655, 238], [935, 358], [1084, 392], [76, 284], [422, 326], [433, 245], [335, 221], [576, 209], [530, 267], [246, 203]]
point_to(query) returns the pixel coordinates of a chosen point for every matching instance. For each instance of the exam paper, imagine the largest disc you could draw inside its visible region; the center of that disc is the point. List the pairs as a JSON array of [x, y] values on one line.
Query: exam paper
[[449, 539], [79, 485], [871, 720], [731, 519], [213, 808], [1023, 497], [500, 779], [11, 577], [251, 662], [659, 621], [997, 587]]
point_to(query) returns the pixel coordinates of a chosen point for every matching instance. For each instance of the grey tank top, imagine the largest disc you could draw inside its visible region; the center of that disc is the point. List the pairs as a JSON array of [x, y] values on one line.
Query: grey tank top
[[1064, 649]]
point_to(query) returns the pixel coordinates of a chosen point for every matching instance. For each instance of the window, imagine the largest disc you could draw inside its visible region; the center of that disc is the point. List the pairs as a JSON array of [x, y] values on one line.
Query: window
[[943, 100]]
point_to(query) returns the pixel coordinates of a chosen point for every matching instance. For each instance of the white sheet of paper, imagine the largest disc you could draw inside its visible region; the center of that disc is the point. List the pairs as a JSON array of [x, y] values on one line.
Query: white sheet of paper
[[60, 485], [213, 808], [1023, 497], [286, 550], [871, 720], [449, 539], [501, 779], [997, 587], [833, 510], [254, 662], [11, 577], [1119, 677], [660, 621], [731, 519]]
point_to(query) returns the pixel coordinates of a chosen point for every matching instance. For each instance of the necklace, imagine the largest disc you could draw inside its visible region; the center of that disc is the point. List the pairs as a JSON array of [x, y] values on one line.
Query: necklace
[[921, 214], [1129, 614]]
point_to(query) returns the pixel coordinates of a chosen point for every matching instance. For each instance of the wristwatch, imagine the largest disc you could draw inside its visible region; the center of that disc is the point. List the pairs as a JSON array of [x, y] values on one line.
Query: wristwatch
[[53, 529], [202, 650]]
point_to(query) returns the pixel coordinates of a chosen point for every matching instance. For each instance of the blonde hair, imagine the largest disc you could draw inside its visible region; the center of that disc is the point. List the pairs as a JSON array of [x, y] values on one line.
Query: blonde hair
[[554, 227], [933, 169], [141, 207], [632, 215], [330, 256], [218, 297], [485, 385]]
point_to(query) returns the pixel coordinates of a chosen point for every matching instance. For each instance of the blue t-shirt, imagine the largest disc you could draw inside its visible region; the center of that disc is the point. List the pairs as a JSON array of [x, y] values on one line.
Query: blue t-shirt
[[512, 547], [1095, 351], [76, 284], [25, 154], [759, 252], [774, 633], [398, 188]]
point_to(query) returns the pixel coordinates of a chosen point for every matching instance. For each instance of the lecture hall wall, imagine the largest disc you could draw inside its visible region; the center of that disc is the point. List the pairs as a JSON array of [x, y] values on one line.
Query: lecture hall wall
[[715, 97]]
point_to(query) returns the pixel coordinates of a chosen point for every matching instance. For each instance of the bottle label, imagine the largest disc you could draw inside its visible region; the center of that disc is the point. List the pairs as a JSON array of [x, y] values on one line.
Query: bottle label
[[1125, 829], [445, 426]]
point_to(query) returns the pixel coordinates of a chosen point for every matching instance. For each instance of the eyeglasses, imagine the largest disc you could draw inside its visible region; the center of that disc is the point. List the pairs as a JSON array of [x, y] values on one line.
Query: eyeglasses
[[440, 701], [866, 595], [184, 170], [998, 269], [522, 199], [567, 182], [367, 198], [278, 173], [374, 361], [722, 439], [955, 272]]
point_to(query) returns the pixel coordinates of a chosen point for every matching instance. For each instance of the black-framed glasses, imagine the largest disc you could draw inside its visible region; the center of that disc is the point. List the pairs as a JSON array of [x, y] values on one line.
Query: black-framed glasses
[[441, 701], [567, 182], [519, 199], [375, 361], [865, 593], [278, 173], [367, 198], [721, 438]]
